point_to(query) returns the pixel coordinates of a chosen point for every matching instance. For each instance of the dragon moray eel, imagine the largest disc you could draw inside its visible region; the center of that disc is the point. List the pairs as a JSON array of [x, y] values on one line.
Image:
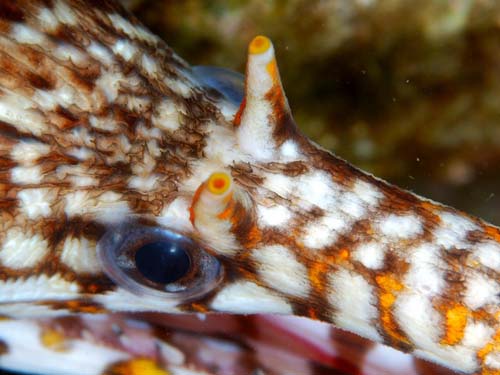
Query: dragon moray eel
[[132, 183]]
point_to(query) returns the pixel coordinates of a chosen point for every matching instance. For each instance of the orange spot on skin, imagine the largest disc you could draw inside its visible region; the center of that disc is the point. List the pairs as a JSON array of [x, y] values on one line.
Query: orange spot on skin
[[136, 366], [456, 319], [312, 313], [254, 237], [53, 340], [259, 44], [316, 275], [344, 254], [199, 308], [493, 233], [390, 287]]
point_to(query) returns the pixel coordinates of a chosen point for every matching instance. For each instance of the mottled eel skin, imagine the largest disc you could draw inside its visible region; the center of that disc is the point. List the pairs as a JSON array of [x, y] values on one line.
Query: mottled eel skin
[[109, 141]]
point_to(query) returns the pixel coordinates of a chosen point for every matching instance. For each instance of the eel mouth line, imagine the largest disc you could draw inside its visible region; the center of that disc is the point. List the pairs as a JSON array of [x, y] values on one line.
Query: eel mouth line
[[228, 344]]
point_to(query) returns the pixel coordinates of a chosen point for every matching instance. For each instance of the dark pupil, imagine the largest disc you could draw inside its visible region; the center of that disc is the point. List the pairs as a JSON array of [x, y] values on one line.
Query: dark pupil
[[162, 262]]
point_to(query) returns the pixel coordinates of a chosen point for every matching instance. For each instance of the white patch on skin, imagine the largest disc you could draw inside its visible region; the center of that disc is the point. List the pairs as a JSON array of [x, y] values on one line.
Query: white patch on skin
[[177, 86], [100, 53], [143, 183], [48, 20], [123, 300], [281, 270], [125, 49], [109, 83], [37, 288], [27, 354], [425, 275], [274, 216], [26, 175], [280, 184], [322, 233], [77, 174], [104, 123], [18, 110], [453, 231], [289, 151], [28, 152], [80, 255], [220, 146], [65, 14], [166, 116], [352, 205], [423, 325], [476, 334], [353, 298], [20, 310], [109, 207], [149, 133], [20, 250], [150, 65], [245, 297], [368, 193], [64, 96], [176, 214], [481, 291], [81, 153], [37, 202], [488, 254], [318, 188], [134, 32], [66, 52], [401, 226], [26, 35], [370, 254], [492, 360]]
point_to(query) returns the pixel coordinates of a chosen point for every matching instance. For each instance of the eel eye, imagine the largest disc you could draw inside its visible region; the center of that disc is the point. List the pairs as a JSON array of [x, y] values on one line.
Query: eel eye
[[158, 261]]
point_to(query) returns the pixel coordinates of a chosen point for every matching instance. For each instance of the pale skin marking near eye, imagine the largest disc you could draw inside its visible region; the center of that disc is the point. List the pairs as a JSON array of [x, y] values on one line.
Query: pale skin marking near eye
[[247, 298], [79, 253], [36, 203], [21, 250], [280, 269], [36, 288]]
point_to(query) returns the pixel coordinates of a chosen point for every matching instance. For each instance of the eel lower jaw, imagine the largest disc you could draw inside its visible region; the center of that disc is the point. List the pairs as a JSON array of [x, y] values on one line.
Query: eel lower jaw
[[236, 344]]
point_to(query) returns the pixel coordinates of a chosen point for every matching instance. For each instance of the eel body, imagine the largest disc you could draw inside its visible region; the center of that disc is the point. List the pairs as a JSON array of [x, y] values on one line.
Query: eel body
[[137, 192]]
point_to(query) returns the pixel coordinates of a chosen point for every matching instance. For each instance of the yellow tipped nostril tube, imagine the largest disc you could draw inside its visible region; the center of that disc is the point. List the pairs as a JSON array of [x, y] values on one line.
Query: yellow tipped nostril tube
[[259, 44], [218, 183]]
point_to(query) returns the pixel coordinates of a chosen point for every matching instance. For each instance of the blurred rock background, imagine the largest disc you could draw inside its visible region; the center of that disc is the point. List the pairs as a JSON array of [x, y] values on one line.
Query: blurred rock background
[[407, 90]]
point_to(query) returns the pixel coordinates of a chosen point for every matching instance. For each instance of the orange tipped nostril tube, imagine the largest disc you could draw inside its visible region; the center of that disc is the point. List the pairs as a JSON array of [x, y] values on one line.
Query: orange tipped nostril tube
[[259, 44]]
